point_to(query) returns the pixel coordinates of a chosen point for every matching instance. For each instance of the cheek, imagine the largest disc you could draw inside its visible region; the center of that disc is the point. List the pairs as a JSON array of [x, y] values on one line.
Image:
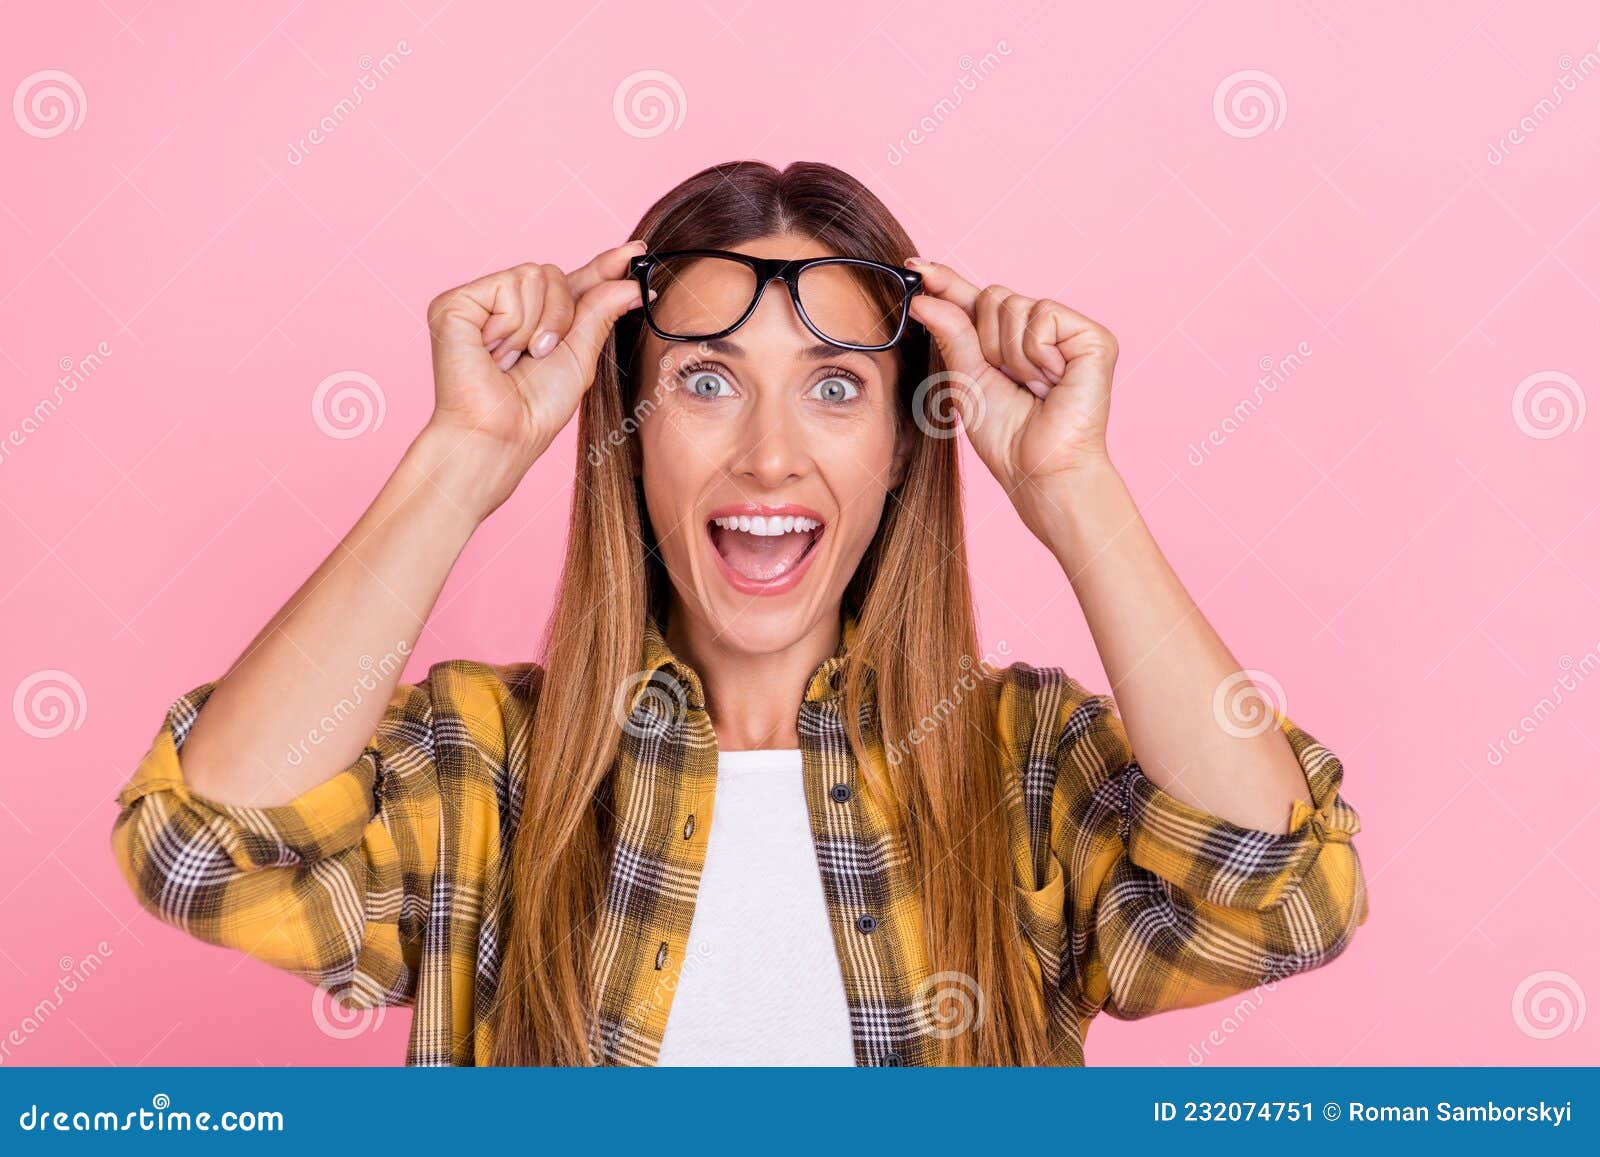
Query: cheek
[[675, 472], [658, 468], [857, 449], [857, 471]]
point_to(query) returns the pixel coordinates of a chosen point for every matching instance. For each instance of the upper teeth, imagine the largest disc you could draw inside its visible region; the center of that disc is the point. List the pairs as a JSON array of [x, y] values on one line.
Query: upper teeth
[[758, 524]]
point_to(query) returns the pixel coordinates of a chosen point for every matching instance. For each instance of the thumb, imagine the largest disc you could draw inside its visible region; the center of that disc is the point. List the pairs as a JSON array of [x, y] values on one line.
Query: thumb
[[597, 311], [555, 383], [986, 396], [953, 333], [961, 382]]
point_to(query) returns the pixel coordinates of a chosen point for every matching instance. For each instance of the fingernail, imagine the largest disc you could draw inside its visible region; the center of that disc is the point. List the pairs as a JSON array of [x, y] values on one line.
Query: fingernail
[[496, 344], [915, 261], [654, 295], [1054, 376], [508, 361], [1039, 388], [546, 343]]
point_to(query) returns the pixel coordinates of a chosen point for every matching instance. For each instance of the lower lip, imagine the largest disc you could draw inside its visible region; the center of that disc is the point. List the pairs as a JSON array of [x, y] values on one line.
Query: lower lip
[[784, 583]]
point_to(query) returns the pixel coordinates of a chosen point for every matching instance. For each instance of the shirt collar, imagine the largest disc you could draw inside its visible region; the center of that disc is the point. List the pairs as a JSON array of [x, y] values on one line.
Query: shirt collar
[[657, 656]]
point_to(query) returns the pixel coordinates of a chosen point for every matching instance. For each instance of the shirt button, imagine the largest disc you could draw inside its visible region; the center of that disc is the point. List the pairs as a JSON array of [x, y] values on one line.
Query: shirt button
[[840, 792], [866, 923], [688, 827], [661, 956], [892, 1059]]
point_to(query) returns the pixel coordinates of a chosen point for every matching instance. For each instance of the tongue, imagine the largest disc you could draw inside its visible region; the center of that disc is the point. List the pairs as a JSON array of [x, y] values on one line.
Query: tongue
[[759, 557]]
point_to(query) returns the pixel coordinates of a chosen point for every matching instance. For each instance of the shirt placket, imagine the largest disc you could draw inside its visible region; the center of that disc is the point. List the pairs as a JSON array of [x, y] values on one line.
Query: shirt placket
[[683, 850], [872, 907], [664, 792]]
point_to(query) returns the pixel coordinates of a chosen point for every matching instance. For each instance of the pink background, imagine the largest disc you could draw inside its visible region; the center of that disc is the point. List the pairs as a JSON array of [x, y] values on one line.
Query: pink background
[[1405, 543]]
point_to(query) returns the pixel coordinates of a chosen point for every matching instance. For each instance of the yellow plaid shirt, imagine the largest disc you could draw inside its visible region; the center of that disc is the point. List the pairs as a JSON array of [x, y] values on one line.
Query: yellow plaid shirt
[[385, 883]]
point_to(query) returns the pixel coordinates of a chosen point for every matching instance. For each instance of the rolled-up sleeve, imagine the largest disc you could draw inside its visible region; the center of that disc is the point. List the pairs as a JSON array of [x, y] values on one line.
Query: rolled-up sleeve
[[1171, 906], [332, 886]]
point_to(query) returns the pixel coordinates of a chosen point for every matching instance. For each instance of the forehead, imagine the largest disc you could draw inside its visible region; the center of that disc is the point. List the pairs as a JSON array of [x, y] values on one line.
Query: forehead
[[784, 247]]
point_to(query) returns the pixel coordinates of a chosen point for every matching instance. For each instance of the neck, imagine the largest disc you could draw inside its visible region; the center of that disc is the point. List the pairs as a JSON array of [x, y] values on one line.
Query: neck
[[753, 697]]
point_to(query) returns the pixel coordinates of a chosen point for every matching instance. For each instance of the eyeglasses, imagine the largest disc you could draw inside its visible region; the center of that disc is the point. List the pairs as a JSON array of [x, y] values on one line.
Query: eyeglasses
[[706, 293]]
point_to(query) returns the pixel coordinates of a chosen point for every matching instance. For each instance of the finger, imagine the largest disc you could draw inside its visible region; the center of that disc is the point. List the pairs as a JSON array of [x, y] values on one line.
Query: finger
[[559, 308], [529, 282], [612, 265], [945, 283], [1014, 311], [505, 314], [1087, 347], [597, 311], [533, 290], [953, 333], [464, 313], [1068, 321], [986, 319], [1038, 343], [988, 394]]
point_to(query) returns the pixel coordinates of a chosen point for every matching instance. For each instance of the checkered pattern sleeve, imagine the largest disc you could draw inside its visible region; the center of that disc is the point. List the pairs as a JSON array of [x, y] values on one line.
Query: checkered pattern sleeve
[[1169, 906], [332, 886]]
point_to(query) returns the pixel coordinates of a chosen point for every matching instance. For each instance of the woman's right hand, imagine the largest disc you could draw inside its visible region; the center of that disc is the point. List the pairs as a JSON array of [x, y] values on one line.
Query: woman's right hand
[[514, 352]]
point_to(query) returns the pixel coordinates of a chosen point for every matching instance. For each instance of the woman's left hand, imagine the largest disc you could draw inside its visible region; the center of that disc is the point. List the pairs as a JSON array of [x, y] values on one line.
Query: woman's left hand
[[1031, 379]]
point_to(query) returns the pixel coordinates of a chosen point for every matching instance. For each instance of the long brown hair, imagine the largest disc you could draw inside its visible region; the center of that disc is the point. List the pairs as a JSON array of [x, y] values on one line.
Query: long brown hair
[[916, 640]]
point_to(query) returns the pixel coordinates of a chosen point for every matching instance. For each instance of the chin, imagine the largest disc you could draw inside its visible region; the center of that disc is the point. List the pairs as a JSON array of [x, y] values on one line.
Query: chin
[[764, 626]]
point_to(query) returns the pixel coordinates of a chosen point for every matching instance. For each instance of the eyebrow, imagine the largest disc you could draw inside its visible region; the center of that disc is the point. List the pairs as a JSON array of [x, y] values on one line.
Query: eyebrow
[[819, 352]]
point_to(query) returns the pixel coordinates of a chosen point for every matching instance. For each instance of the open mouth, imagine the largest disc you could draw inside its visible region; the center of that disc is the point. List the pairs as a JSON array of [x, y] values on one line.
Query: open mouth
[[764, 552]]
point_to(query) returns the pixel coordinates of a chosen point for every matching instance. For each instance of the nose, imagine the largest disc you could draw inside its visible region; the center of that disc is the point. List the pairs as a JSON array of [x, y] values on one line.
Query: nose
[[772, 448]]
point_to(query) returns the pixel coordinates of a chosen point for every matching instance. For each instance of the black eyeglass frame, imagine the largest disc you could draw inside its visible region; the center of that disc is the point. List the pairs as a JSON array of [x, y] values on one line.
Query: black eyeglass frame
[[766, 269]]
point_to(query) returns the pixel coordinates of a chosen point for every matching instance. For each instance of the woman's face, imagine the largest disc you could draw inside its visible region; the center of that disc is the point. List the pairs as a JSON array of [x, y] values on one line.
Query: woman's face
[[767, 454]]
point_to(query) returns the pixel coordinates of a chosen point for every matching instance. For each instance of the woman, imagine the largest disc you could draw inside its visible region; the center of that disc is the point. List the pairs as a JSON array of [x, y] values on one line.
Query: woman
[[914, 856]]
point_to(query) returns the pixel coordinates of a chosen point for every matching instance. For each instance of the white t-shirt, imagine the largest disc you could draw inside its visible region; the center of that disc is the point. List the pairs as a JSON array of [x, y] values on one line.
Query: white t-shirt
[[760, 983]]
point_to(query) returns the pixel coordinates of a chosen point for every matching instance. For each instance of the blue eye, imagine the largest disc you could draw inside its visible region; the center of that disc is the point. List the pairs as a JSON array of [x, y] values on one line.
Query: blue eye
[[705, 383], [836, 388]]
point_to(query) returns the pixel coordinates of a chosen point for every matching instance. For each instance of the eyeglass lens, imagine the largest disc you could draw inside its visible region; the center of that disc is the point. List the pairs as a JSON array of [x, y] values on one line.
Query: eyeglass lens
[[702, 295]]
